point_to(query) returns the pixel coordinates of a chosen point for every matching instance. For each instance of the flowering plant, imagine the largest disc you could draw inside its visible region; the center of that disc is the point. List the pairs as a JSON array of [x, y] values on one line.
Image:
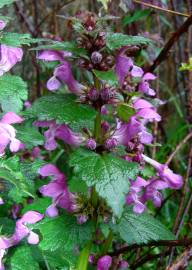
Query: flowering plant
[[74, 158]]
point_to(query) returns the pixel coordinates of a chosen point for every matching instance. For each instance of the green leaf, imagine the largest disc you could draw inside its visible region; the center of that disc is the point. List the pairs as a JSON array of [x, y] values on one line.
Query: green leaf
[[77, 186], [40, 205], [138, 14], [22, 259], [7, 226], [10, 170], [30, 139], [141, 228], [118, 40], [108, 76], [107, 173], [16, 39], [6, 19], [124, 112], [13, 93], [62, 108], [63, 233], [30, 169], [6, 2], [63, 46]]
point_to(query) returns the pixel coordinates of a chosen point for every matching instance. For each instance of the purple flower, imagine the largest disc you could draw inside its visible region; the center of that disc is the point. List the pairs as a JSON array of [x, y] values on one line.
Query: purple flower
[[124, 132], [2, 25], [8, 132], [144, 84], [124, 66], [152, 191], [146, 110], [9, 57], [21, 231], [1, 201], [65, 134], [2, 253], [174, 181], [51, 55], [104, 263], [62, 132], [57, 190], [134, 197], [62, 72]]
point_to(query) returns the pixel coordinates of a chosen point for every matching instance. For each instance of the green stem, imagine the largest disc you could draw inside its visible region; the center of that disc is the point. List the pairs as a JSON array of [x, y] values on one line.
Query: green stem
[[98, 127], [83, 257], [107, 243]]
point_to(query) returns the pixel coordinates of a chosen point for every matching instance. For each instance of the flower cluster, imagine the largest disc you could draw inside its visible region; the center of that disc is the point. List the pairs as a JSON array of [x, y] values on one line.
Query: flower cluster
[[124, 112]]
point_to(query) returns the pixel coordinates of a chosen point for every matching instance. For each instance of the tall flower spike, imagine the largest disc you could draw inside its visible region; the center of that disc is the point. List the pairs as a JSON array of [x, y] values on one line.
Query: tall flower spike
[[9, 56], [174, 181]]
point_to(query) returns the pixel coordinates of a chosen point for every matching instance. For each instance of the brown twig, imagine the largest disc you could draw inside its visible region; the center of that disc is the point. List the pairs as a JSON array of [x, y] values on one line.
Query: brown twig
[[165, 51], [161, 9], [179, 146], [182, 261], [160, 243], [24, 19]]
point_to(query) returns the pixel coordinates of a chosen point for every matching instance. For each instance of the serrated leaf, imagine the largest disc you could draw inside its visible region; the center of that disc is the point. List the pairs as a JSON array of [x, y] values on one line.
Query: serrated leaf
[[13, 93], [107, 173], [22, 259], [62, 108], [138, 14], [124, 112], [141, 228], [117, 40], [30, 169], [63, 46], [30, 139], [6, 2], [107, 76], [39, 205], [17, 40], [63, 233], [10, 170]]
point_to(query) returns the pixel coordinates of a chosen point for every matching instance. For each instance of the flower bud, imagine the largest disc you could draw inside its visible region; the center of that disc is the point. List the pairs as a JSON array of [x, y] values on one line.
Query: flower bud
[[107, 94], [93, 94], [91, 144], [109, 60], [110, 143], [81, 219], [104, 263], [96, 57]]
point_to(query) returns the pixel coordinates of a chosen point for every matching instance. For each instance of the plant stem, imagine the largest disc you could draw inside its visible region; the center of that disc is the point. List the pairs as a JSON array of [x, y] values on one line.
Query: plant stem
[[83, 257], [107, 243], [98, 127]]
